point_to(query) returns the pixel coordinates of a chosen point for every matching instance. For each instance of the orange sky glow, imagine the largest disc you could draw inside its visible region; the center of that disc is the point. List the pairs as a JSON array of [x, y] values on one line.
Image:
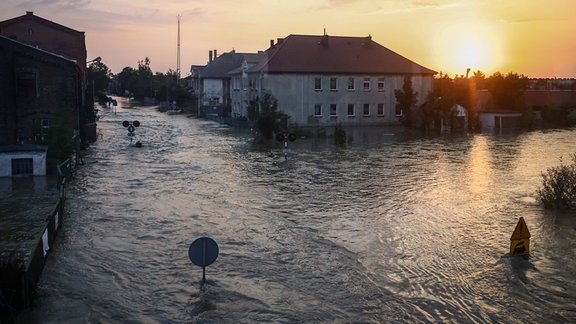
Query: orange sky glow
[[535, 38]]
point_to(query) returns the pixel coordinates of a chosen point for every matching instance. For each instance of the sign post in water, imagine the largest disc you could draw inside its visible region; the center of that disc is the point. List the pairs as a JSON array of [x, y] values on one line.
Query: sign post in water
[[203, 252]]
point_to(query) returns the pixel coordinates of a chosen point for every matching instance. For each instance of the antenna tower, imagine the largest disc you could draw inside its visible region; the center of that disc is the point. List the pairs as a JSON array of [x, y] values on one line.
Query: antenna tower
[[178, 51]]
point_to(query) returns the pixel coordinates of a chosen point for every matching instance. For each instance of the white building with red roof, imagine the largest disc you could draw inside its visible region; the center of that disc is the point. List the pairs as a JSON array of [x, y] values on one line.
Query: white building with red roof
[[329, 80]]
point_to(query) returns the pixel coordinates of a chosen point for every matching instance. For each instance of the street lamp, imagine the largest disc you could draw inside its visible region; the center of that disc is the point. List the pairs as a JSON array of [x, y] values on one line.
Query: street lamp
[[97, 59]]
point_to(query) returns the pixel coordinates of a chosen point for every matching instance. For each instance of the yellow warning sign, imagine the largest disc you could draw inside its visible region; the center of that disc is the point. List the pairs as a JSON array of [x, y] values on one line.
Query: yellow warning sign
[[520, 240], [521, 230], [519, 247]]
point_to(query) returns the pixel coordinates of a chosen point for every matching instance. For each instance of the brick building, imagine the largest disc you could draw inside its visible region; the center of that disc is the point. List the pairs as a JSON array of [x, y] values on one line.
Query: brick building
[[40, 99], [47, 35], [60, 40]]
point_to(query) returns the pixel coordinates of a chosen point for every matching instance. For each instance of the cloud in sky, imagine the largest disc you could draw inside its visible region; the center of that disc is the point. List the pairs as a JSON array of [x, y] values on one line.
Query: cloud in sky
[[514, 35]]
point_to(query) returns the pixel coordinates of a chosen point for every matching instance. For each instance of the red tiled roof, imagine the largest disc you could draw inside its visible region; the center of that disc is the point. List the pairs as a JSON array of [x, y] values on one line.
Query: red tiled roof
[[335, 54]]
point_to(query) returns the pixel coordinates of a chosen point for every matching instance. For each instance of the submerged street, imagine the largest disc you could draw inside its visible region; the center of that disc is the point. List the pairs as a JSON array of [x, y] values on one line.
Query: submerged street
[[389, 228]]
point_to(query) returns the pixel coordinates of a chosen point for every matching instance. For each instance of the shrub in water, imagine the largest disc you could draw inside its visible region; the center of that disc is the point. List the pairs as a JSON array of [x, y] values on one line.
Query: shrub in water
[[339, 135], [558, 189]]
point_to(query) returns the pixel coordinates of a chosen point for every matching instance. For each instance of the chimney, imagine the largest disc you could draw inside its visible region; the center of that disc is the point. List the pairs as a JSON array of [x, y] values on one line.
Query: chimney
[[209, 56], [215, 54], [29, 13], [368, 41], [271, 43], [324, 41]]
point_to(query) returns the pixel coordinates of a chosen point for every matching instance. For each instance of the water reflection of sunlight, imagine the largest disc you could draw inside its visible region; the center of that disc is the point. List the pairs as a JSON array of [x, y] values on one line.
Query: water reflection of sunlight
[[479, 173]]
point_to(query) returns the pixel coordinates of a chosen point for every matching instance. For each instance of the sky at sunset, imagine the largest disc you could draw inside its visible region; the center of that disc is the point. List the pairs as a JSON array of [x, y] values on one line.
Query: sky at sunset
[[536, 38]]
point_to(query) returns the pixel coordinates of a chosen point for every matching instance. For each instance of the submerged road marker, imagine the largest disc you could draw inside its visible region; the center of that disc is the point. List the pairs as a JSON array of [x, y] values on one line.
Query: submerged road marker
[[520, 239], [203, 252]]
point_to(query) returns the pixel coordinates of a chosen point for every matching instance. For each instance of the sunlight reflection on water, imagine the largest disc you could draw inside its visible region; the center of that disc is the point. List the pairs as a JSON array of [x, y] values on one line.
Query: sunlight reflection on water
[[392, 227]]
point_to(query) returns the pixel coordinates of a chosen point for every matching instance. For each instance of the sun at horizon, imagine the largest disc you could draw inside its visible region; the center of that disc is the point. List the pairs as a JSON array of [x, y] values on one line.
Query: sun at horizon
[[463, 45]]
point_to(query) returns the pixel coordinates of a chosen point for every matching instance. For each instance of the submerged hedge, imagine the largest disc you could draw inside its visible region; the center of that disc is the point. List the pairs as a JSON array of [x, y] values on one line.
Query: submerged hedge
[[558, 189]]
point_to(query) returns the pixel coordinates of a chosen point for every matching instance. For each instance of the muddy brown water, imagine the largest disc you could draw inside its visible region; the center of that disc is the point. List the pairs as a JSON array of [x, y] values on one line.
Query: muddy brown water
[[390, 228]]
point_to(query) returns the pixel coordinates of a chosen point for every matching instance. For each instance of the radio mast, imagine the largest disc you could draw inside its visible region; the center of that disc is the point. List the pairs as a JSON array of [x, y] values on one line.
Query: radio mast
[[178, 52]]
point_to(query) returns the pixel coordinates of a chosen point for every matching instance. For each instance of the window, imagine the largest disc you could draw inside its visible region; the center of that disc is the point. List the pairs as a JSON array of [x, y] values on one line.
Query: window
[[333, 84], [380, 84], [380, 109], [332, 109], [22, 166], [317, 83], [350, 109], [351, 83], [40, 130], [26, 84], [366, 84], [366, 110], [398, 110], [317, 110]]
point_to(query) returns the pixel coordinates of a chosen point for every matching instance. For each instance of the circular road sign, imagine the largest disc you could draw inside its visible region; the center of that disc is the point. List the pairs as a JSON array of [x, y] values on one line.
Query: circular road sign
[[203, 251]]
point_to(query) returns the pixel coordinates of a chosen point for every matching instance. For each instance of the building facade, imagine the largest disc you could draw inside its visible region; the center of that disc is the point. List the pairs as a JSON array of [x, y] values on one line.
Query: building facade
[[59, 40], [40, 96], [214, 82], [329, 80], [48, 36]]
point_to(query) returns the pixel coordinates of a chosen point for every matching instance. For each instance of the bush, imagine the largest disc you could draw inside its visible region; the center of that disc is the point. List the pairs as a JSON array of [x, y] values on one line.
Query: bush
[[559, 186], [339, 135]]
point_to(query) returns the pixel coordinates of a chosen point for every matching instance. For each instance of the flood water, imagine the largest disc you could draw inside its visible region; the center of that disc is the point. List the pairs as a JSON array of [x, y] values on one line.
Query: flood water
[[390, 228]]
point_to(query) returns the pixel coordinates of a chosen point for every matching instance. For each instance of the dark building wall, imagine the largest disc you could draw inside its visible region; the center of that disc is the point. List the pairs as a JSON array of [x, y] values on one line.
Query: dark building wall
[[47, 35], [7, 97], [36, 85]]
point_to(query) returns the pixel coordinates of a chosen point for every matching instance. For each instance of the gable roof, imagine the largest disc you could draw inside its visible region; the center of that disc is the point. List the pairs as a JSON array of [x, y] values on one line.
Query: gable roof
[[335, 54], [29, 16], [223, 64]]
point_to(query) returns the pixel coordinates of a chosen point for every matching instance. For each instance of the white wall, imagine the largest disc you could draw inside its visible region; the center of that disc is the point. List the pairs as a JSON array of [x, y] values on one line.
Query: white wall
[[38, 158], [297, 97], [213, 88]]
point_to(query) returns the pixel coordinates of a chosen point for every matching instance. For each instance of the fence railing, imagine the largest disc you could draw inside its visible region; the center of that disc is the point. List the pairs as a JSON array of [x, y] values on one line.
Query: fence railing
[[20, 278]]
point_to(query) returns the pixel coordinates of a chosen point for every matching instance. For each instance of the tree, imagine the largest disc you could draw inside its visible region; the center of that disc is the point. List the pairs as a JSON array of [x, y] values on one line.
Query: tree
[[99, 75], [558, 189], [264, 111], [144, 77], [166, 87], [61, 144], [407, 101], [479, 80], [127, 80], [506, 90]]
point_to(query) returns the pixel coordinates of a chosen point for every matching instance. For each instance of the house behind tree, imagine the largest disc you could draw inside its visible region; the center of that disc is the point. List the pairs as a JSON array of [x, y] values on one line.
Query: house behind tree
[[329, 80]]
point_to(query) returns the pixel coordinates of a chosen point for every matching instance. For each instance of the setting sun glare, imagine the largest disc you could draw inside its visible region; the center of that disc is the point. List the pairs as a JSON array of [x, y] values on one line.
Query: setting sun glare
[[464, 45], [534, 38]]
